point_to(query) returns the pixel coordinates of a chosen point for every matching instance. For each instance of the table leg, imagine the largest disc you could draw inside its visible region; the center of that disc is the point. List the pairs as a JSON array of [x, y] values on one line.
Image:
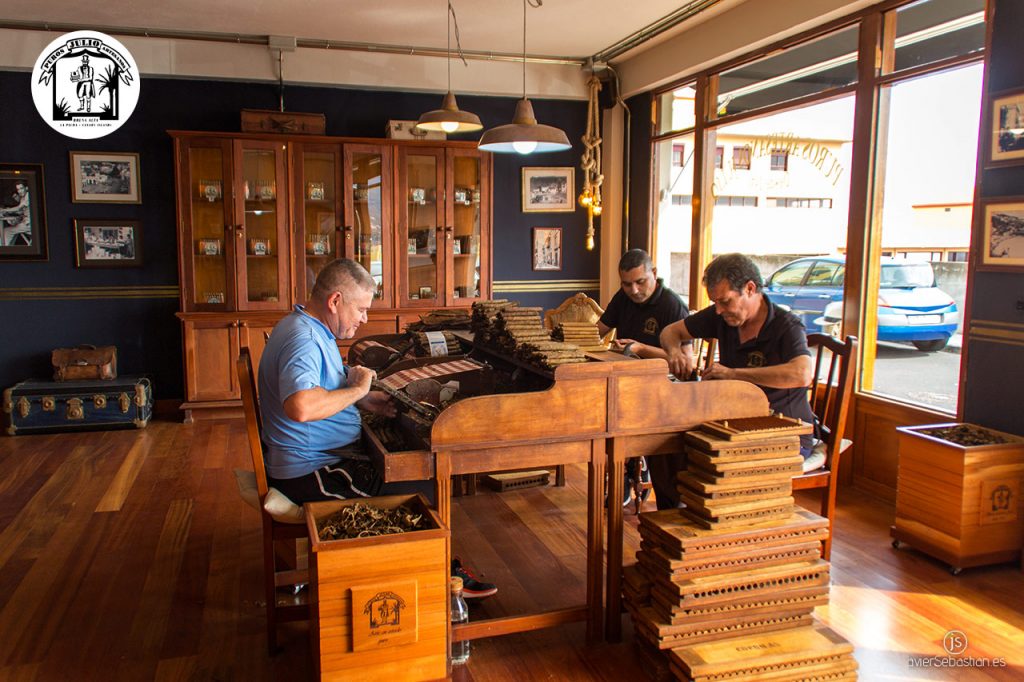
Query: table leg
[[595, 538], [613, 601]]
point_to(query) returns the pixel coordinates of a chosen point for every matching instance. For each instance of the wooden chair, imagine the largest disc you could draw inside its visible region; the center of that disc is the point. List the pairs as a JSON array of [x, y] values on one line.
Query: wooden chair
[[279, 539], [830, 402]]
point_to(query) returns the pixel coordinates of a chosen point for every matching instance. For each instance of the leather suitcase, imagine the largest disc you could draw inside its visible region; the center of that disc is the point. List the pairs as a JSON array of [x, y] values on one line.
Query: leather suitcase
[[48, 406]]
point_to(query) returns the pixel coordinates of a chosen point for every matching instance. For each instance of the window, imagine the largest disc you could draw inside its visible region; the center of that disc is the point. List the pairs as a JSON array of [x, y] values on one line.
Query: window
[[735, 201], [678, 155], [719, 156], [792, 275], [799, 202], [780, 159], [672, 214], [823, 274], [682, 199], [741, 158], [675, 109]]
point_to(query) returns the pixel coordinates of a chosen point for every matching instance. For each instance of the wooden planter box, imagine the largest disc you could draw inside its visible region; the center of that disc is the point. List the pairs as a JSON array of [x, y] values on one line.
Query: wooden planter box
[[960, 504], [379, 605]]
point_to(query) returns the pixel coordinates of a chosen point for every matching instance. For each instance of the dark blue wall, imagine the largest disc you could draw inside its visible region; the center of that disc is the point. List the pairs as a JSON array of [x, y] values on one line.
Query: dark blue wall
[[994, 389], [147, 334]]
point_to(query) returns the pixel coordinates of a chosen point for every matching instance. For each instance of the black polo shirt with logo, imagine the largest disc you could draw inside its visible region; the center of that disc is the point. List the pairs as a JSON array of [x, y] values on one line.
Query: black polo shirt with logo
[[782, 338], [643, 322]]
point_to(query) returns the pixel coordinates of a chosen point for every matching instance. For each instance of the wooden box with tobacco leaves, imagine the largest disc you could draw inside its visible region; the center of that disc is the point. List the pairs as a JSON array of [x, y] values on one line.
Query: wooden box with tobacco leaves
[[379, 602]]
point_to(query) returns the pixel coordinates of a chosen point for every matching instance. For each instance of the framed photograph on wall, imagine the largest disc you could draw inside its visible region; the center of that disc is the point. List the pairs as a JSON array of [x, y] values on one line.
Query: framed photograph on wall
[[549, 190], [22, 212], [108, 243], [1002, 234], [547, 248], [105, 177], [1005, 129]]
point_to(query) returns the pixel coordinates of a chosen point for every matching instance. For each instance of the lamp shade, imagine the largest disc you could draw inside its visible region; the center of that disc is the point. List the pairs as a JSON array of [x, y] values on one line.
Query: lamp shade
[[449, 118], [524, 135]]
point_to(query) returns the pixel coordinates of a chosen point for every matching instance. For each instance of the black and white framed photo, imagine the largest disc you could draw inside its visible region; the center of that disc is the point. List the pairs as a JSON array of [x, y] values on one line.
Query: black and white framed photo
[[105, 177], [22, 212], [1002, 235], [1006, 129], [548, 190], [547, 248], [108, 243]]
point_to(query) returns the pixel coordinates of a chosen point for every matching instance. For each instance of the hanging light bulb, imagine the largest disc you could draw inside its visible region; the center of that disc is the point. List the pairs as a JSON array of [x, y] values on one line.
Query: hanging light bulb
[[590, 239], [449, 118], [596, 209], [524, 135]]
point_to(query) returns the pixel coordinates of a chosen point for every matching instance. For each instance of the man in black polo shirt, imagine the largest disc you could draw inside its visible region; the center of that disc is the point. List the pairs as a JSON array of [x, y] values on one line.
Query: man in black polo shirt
[[638, 312], [758, 341]]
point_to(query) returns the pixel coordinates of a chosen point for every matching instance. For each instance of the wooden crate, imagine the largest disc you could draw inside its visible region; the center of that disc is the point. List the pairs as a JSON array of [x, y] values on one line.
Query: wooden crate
[[959, 504], [380, 604]]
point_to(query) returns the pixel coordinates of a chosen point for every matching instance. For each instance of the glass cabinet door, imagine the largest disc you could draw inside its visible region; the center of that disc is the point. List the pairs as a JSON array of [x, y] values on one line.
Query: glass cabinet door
[[261, 235], [208, 269], [420, 224], [465, 233], [319, 170], [368, 211]]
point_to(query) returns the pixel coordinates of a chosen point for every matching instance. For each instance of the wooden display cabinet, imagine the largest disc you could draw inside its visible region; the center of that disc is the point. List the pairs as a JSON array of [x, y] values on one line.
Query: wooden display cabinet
[[260, 215], [443, 200]]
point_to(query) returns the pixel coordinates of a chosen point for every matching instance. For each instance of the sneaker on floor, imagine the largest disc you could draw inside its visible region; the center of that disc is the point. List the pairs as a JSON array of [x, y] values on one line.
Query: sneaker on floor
[[472, 587]]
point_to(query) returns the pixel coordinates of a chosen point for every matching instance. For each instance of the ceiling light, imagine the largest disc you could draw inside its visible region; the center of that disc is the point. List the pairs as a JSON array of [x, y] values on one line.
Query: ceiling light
[[524, 135], [449, 118]]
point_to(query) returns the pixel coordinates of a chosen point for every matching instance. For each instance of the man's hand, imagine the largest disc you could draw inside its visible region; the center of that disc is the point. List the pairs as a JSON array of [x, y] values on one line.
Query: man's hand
[[378, 402], [718, 371], [621, 344], [679, 363], [360, 377]]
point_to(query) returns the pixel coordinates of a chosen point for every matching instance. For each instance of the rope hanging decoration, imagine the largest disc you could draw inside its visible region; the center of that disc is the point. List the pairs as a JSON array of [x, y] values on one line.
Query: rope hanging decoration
[[590, 198]]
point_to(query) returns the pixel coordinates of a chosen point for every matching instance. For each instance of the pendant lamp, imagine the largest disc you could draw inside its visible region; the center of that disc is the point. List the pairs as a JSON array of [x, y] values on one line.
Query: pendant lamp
[[524, 135], [449, 118]]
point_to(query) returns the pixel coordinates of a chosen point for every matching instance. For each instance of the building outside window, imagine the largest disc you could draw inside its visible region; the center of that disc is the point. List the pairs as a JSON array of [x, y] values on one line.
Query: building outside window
[[741, 158], [780, 159]]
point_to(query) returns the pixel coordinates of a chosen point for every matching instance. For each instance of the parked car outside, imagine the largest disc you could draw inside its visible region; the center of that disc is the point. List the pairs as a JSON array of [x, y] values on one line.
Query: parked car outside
[[910, 307]]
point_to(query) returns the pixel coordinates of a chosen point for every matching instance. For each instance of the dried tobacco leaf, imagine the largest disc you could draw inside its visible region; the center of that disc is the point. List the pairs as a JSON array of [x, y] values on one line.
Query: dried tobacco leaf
[[362, 520], [966, 434]]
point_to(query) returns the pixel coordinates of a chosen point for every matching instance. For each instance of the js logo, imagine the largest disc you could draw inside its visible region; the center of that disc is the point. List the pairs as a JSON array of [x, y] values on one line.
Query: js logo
[[85, 84], [955, 642]]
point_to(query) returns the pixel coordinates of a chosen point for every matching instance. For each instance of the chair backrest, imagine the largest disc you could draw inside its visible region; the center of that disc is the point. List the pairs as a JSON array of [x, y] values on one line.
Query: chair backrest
[[831, 391], [253, 420], [577, 308]]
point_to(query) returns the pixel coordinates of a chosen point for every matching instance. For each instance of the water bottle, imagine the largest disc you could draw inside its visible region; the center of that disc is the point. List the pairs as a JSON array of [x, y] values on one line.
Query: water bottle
[[460, 614]]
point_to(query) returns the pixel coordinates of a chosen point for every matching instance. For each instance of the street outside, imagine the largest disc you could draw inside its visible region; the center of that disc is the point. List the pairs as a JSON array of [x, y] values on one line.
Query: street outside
[[930, 379]]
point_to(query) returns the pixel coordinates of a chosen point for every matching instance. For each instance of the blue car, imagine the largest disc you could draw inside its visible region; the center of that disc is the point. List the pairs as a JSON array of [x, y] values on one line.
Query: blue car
[[910, 306]]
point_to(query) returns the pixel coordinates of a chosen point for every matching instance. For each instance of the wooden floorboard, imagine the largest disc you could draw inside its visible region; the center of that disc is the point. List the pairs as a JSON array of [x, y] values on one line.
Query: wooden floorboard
[[128, 555]]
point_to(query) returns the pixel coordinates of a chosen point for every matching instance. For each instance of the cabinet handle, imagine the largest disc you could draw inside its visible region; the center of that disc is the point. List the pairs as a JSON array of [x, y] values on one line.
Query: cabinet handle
[[233, 324], [243, 324], [239, 229], [348, 232], [449, 232]]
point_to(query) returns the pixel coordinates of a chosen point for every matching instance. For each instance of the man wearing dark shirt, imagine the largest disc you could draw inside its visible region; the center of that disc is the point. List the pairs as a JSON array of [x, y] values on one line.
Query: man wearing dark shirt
[[638, 312], [758, 341]]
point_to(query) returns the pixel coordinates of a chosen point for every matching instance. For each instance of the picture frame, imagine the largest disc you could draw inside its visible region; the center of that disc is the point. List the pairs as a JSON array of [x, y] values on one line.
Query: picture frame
[[108, 243], [411, 247], [1005, 129], [547, 248], [209, 247], [1002, 234], [105, 178], [259, 247], [22, 212], [426, 292], [210, 190], [549, 190]]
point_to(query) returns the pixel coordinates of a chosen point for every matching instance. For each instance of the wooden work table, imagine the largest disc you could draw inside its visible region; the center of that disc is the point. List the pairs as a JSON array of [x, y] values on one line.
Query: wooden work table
[[598, 413]]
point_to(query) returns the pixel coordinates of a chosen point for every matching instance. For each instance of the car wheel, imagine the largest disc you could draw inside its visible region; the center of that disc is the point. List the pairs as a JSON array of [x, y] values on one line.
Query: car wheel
[[930, 346]]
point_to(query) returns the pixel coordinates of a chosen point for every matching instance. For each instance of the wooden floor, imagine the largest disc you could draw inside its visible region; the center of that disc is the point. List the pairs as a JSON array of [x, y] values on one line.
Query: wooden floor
[[127, 555]]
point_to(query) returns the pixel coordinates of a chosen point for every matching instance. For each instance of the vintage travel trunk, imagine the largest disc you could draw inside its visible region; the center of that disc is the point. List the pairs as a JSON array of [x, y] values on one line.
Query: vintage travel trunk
[[46, 406]]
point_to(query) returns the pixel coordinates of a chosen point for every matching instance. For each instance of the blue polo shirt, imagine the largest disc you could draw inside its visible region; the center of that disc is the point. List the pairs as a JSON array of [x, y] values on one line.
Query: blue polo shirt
[[302, 354]]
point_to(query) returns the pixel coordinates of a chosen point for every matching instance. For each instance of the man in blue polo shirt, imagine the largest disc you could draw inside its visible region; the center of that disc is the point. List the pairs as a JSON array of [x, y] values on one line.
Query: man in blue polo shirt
[[638, 311], [758, 341], [310, 402]]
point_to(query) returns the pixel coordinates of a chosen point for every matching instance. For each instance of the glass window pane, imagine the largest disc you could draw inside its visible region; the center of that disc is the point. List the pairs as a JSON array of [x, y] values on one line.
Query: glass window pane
[[421, 259], [676, 110], [263, 253], [928, 190], [931, 30], [792, 221], [673, 215], [466, 245], [319, 207], [367, 214], [208, 218], [815, 66]]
